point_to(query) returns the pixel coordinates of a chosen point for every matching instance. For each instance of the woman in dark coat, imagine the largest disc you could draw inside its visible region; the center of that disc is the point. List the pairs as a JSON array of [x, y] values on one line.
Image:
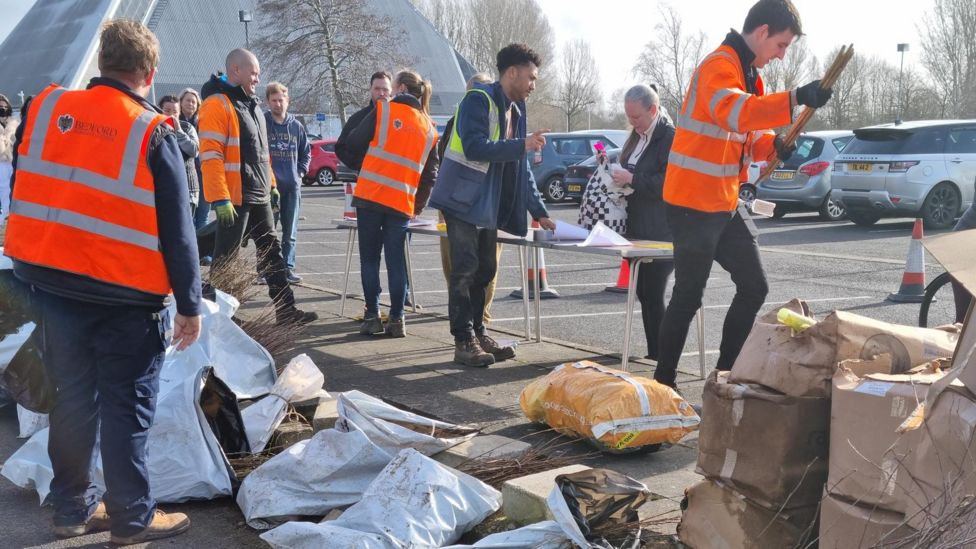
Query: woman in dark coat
[[643, 161]]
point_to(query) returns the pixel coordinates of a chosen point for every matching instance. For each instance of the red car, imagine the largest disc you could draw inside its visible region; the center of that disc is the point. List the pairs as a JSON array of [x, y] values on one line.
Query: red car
[[325, 167]]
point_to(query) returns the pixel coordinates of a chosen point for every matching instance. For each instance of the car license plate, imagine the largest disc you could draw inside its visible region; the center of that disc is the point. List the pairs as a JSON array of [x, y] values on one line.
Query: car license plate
[[781, 176], [574, 188], [859, 167]]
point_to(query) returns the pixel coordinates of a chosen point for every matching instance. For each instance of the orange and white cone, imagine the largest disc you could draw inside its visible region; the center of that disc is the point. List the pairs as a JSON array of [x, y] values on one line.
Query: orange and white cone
[[623, 279], [349, 212], [545, 292], [912, 288]]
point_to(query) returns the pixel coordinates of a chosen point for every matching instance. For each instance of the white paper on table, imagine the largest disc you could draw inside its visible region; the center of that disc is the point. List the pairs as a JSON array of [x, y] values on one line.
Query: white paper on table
[[601, 235], [421, 222], [568, 231]]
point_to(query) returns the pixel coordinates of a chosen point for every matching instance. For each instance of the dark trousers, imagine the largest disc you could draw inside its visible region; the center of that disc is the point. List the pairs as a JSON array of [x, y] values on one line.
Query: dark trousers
[[382, 234], [699, 239], [104, 363], [473, 266], [256, 221], [652, 281]]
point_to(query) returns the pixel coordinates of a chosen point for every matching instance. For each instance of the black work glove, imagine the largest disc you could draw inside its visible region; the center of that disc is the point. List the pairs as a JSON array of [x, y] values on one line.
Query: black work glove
[[812, 95], [783, 152]]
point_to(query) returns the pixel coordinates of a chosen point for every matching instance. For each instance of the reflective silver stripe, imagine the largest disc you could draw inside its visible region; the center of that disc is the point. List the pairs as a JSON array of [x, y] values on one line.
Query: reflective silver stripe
[[693, 91], [395, 159], [461, 159], [384, 125], [211, 155], [232, 166], [133, 147], [85, 223], [736, 112], [708, 129], [702, 166], [387, 182], [41, 123], [87, 178], [233, 141], [719, 95], [216, 136]]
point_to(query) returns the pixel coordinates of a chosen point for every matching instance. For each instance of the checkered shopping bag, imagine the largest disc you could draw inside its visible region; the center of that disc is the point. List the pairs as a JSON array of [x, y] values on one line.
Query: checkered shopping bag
[[604, 201]]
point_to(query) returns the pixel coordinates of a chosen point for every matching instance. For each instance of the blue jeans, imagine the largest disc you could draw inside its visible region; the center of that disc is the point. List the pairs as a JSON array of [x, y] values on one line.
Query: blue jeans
[[202, 214], [291, 201], [104, 363], [382, 233]]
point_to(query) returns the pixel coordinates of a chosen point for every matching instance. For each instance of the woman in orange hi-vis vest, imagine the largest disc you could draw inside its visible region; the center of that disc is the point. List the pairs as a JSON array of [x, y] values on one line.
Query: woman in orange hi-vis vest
[[725, 120], [398, 171]]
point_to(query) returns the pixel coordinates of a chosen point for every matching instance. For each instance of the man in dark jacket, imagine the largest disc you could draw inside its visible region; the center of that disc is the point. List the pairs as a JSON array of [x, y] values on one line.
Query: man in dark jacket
[[101, 320], [237, 176], [484, 185], [380, 88], [290, 156]]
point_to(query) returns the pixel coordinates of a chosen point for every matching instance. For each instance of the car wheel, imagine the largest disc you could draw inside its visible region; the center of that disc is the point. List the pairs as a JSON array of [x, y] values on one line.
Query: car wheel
[[554, 189], [325, 177], [941, 207], [747, 192], [831, 210], [863, 218], [780, 212]]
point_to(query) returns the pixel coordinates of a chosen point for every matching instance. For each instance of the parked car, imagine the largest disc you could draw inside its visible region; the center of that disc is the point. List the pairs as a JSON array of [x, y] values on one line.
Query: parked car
[[578, 175], [802, 183], [561, 151], [923, 169], [325, 167]]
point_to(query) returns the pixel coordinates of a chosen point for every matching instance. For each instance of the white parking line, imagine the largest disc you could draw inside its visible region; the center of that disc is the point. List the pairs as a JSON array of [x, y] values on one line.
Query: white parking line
[[500, 267], [771, 302]]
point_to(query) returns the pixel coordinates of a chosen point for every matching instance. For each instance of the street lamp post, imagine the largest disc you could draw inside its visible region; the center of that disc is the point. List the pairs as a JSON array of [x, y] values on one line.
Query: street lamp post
[[900, 106], [246, 17]]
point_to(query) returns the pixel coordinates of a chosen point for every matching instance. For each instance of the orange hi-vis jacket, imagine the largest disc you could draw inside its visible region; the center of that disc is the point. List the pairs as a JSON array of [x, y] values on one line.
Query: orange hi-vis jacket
[[85, 202], [220, 150], [390, 175], [720, 129]]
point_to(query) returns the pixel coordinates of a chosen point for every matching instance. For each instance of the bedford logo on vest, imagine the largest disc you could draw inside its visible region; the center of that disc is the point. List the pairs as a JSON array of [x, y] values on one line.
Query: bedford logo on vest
[[65, 122], [94, 130]]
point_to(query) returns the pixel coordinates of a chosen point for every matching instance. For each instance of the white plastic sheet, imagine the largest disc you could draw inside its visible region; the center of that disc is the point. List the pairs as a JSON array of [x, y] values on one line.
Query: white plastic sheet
[[300, 380], [30, 468], [541, 535], [414, 502], [30, 422], [383, 424], [312, 477]]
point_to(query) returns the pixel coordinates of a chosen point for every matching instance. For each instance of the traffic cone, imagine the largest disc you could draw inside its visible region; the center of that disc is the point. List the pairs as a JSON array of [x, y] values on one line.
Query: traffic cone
[[623, 279], [349, 212], [545, 292], [912, 288]]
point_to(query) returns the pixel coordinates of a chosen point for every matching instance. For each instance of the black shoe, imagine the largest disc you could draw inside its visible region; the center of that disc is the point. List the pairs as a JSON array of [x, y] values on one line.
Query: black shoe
[[297, 316], [500, 353]]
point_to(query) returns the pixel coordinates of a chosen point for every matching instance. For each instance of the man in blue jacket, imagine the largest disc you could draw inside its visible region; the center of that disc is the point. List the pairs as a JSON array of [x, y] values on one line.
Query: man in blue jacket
[[485, 184], [290, 156]]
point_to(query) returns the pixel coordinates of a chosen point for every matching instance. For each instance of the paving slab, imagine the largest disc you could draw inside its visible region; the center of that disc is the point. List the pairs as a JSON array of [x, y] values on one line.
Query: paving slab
[[524, 498]]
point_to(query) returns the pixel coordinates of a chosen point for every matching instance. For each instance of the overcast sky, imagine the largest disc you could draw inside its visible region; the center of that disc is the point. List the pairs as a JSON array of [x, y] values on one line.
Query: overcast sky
[[618, 29]]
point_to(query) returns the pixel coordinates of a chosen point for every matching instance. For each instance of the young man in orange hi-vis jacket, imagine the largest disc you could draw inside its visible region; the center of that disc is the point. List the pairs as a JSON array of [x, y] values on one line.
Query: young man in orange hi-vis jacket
[[238, 179], [725, 122]]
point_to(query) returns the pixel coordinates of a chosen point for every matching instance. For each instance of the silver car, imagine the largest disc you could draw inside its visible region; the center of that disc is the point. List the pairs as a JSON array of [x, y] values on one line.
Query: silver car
[[802, 183], [923, 169]]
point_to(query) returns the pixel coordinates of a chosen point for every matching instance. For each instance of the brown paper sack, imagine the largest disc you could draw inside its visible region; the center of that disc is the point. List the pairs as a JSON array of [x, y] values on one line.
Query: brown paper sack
[[716, 517], [770, 447], [844, 525], [803, 363], [865, 449]]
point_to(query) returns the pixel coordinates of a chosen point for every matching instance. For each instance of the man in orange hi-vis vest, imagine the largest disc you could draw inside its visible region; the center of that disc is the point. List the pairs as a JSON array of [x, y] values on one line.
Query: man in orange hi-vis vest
[[238, 180], [100, 228], [725, 121]]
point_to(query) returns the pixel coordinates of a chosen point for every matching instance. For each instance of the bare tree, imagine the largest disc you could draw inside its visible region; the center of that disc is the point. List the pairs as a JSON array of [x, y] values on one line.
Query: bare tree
[[578, 87], [327, 48], [449, 17], [948, 35], [670, 58], [793, 70]]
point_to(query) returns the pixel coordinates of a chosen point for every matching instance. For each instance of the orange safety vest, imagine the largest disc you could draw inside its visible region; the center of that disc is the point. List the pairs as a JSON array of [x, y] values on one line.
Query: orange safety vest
[[403, 139], [84, 201], [720, 129]]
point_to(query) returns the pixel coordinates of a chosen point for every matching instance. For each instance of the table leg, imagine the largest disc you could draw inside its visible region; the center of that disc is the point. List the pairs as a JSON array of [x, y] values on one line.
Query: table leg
[[525, 291], [345, 281], [413, 296], [701, 342], [634, 266], [538, 294]]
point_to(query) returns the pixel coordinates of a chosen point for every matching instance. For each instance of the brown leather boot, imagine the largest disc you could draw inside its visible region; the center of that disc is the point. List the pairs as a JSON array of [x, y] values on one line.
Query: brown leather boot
[[163, 525], [470, 353], [98, 522], [491, 346]]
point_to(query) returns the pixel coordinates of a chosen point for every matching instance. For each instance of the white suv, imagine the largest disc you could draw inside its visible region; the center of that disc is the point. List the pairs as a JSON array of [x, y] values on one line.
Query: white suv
[[923, 169]]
